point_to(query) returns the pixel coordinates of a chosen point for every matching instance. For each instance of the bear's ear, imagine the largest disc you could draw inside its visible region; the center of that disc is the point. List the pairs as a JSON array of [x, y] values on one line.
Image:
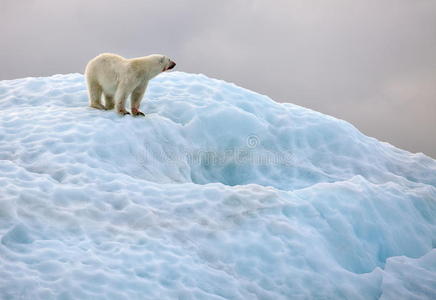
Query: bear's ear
[[161, 60]]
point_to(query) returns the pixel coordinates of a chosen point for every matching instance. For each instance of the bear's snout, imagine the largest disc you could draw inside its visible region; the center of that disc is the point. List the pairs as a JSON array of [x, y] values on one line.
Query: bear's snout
[[172, 65]]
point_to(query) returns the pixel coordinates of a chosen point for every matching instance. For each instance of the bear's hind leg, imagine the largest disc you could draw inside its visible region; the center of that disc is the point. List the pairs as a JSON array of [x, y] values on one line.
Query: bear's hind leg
[[95, 92], [109, 101]]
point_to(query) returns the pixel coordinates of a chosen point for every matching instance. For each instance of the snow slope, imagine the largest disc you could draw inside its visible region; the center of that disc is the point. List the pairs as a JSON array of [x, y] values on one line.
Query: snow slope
[[218, 193]]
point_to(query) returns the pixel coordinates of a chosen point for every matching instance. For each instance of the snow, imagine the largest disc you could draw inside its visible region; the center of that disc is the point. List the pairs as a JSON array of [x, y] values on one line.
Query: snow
[[218, 193]]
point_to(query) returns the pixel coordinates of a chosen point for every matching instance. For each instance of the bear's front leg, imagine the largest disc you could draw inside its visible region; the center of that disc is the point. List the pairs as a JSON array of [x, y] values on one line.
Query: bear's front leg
[[137, 112], [136, 98], [123, 112], [120, 99]]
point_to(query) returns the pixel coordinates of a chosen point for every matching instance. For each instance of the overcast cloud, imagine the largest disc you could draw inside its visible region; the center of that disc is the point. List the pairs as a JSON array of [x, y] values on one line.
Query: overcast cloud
[[370, 62]]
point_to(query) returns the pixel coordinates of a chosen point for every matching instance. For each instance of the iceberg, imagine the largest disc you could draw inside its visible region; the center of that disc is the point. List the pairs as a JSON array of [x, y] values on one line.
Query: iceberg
[[218, 193]]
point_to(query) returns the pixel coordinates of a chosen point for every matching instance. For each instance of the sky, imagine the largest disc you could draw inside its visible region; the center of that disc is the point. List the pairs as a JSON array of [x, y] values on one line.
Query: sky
[[369, 62]]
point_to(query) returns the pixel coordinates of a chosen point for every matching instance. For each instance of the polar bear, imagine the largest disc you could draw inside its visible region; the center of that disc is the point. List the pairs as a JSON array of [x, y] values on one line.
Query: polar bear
[[117, 77]]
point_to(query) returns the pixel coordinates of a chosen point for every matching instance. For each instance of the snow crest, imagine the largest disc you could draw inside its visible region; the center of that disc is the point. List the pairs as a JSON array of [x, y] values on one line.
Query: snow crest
[[218, 193]]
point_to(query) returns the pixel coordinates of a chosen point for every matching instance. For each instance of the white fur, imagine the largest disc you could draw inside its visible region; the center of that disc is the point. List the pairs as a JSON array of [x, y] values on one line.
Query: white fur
[[117, 77]]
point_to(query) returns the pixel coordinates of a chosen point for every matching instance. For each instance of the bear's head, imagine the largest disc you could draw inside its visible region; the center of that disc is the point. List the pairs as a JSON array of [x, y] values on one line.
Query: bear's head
[[160, 63]]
